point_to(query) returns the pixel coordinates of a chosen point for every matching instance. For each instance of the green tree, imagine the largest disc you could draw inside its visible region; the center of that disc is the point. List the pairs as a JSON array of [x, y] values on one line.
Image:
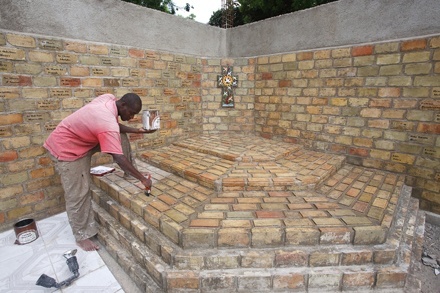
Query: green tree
[[162, 5], [256, 10], [217, 17]]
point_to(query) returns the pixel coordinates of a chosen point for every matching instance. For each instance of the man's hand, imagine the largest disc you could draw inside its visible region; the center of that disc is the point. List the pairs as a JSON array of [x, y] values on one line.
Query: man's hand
[[142, 130], [147, 182]]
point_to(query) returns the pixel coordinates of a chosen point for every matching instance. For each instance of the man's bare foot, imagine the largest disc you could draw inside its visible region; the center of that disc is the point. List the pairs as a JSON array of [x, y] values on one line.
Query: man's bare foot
[[87, 245]]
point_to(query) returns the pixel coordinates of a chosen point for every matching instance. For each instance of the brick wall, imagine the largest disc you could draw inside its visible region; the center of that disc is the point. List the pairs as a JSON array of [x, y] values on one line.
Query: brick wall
[[43, 79], [378, 104]]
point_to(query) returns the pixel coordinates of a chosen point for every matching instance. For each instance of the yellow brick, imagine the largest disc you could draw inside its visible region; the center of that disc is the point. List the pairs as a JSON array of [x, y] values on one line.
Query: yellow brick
[[391, 70], [418, 68], [93, 82], [75, 47], [66, 58], [322, 54], [263, 60], [72, 103], [36, 56], [28, 68], [100, 71], [9, 93], [90, 60], [388, 59], [342, 62], [11, 119], [387, 48], [340, 53], [346, 140], [12, 53], [99, 49], [21, 41], [14, 178], [44, 81], [120, 72], [400, 81], [304, 65], [402, 158], [379, 154], [79, 71], [416, 57], [339, 102], [35, 93], [435, 42], [10, 191], [289, 57], [275, 59]]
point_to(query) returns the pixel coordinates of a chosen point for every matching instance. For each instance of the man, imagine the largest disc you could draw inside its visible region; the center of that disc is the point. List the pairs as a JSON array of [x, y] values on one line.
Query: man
[[92, 128]]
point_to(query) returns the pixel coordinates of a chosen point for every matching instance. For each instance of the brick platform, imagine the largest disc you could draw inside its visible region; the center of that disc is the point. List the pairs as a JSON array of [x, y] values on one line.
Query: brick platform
[[271, 216]]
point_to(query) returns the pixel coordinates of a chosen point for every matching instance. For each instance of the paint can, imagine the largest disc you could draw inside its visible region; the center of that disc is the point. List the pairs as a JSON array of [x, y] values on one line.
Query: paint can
[[151, 119], [25, 231]]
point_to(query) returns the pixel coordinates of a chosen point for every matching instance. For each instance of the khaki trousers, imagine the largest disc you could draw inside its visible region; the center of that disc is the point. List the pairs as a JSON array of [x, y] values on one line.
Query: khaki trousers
[[76, 180]]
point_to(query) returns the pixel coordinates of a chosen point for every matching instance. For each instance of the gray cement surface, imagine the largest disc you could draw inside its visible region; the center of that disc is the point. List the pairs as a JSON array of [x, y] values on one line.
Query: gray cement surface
[[430, 282]]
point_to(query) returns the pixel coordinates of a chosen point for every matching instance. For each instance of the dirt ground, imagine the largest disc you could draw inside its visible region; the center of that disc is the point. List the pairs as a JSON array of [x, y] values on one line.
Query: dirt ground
[[430, 282]]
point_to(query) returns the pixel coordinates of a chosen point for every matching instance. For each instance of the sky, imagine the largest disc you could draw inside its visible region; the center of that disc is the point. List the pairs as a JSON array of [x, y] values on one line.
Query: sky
[[203, 9]]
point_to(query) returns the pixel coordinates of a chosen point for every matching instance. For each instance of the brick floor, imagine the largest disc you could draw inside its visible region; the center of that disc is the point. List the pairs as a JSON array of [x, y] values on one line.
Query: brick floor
[[231, 213], [270, 191]]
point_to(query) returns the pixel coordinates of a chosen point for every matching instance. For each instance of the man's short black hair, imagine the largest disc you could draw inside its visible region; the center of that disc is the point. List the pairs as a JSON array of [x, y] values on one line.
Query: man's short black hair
[[133, 101]]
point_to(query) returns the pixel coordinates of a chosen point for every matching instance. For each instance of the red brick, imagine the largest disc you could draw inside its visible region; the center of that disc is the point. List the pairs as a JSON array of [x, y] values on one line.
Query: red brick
[[357, 280], [395, 279], [233, 182], [383, 103], [293, 281], [182, 280], [358, 152], [413, 45], [8, 156], [32, 198], [42, 172], [66, 81], [429, 128], [266, 75], [269, 214], [389, 92], [136, 53], [362, 51], [285, 83], [304, 56], [291, 258]]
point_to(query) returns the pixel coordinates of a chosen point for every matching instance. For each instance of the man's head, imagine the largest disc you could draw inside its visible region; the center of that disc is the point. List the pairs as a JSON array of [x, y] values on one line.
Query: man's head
[[129, 105]]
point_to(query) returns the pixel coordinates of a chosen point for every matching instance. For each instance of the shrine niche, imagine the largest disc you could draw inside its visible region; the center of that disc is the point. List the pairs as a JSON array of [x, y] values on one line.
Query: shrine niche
[[227, 82]]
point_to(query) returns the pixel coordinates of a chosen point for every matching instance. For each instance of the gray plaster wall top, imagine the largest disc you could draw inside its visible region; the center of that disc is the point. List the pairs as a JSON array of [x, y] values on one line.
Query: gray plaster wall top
[[114, 22], [341, 23]]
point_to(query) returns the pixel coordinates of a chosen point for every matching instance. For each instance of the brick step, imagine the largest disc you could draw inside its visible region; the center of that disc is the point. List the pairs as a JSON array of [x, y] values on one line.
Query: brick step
[[163, 235], [238, 147], [134, 269], [265, 270], [192, 216], [295, 169]]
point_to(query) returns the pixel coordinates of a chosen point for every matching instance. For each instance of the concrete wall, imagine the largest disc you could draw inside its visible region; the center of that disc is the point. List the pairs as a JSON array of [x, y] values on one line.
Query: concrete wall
[[345, 22], [113, 22], [341, 23]]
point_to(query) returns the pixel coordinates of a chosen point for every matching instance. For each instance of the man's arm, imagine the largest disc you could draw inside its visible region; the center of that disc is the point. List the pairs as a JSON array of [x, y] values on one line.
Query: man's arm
[[125, 165], [126, 129]]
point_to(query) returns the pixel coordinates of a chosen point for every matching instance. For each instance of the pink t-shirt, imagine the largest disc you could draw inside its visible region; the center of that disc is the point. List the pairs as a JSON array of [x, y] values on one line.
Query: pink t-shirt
[[96, 122]]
